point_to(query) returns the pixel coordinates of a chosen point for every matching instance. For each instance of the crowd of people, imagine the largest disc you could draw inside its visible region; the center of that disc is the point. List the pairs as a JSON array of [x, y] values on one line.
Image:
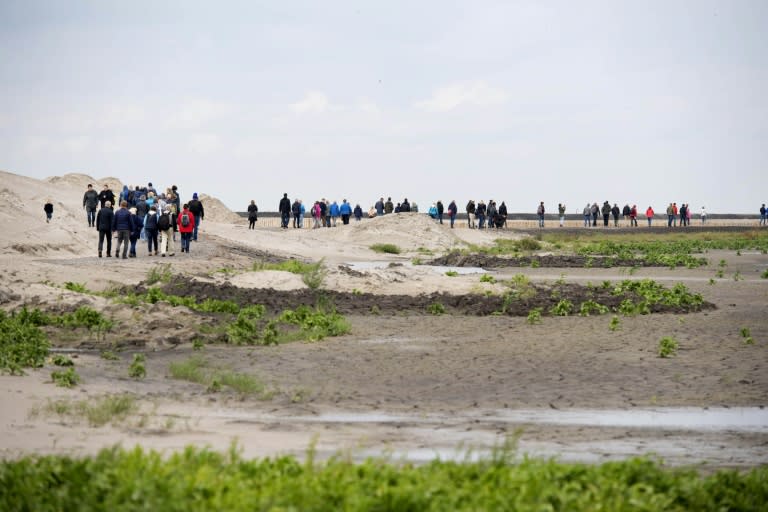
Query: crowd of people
[[141, 213]]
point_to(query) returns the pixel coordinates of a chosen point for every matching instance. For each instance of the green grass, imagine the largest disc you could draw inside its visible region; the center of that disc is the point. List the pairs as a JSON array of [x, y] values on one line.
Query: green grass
[[436, 308], [197, 369], [385, 248], [451, 273], [201, 479], [68, 378], [95, 411], [160, 273], [137, 370]]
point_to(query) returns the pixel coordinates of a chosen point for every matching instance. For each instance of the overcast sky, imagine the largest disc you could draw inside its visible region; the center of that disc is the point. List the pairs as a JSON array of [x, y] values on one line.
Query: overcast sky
[[644, 102]]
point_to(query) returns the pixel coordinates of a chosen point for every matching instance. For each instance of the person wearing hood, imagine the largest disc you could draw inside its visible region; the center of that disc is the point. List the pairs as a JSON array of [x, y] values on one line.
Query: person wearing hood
[[138, 225], [196, 207], [48, 209]]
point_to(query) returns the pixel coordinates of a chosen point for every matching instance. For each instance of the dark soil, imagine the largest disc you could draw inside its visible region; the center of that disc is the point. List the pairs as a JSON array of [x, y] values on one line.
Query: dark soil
[[456, 259], [533, 296]]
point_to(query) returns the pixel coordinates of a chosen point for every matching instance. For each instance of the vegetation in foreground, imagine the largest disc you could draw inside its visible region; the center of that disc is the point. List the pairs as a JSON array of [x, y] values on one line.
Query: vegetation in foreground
[[198, 479]]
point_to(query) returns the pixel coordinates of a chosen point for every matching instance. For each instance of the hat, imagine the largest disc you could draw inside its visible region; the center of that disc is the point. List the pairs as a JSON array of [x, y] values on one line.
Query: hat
[[194, 196]]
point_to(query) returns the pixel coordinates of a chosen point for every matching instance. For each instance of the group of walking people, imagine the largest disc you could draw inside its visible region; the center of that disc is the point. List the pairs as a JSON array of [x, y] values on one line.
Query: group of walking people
[[142, 214]]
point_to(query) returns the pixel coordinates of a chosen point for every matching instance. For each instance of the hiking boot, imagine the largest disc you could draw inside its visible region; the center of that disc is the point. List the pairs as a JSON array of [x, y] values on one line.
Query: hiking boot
[[163, 255], [99, 254]]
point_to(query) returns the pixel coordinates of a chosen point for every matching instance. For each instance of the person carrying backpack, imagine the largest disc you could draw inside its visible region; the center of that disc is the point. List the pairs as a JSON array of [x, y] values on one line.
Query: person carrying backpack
[[186, 222], [165, 227], [150, 228]]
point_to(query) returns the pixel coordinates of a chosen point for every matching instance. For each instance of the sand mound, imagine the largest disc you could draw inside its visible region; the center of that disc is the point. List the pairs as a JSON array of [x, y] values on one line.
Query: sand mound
[[215, 211], [409, 231]]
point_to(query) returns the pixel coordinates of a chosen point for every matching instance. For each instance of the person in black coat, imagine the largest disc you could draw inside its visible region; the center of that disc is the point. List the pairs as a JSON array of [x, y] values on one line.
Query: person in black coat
[[253, 214], [104, 220], [285, 210]]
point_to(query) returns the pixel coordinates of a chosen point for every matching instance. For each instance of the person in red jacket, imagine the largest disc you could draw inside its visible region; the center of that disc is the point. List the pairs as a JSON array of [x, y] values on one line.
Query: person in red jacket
[[649, 215], [186, 223]]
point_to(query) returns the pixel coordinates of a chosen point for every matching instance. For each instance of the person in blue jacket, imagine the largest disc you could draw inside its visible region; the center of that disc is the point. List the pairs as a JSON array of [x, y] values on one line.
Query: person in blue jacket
[[122, 222], [346, 211], [358, 212], [334, 212]]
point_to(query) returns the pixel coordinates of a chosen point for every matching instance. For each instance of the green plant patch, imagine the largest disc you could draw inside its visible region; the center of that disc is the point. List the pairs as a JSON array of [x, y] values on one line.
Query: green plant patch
[[96, 412], [385, 248], [137, 369], [160, 273], [22, 343], [68, 378], [436, 308], [76, 287], [201, 479], [62, 360], [197, 369], [451, 273], [668, 347]]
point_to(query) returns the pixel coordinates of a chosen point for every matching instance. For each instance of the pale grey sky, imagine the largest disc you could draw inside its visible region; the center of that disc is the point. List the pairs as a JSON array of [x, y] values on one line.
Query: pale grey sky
[[644, 102]]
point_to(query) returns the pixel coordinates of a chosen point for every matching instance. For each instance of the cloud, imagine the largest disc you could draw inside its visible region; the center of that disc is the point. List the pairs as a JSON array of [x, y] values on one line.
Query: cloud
[[313, 103], [197, 113], [477, 93]]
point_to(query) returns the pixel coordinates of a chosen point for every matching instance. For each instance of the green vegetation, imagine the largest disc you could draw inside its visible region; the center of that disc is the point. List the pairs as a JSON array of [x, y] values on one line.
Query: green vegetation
[[436, 308], [137, 370], [615, 324], [307, 324], [764, 275], [312, 274], [109, 355], [76, 287], [534, 316], [65, 378], [487, 278], [200, 479], [562, 308], [22, 343], [160, 273], [451, 273], [747, 335], [197, 370], [96, 411], [591, 307], [668, 346], [385, 248], [62, 360]]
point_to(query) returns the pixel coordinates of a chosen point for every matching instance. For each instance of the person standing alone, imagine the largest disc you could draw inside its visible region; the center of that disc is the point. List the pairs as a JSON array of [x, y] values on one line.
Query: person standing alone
[[48, 209], [90, 202], [285, 211]]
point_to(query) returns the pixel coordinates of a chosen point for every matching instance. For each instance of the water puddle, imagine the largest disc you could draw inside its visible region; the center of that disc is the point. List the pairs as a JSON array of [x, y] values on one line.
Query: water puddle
[[743, 419]]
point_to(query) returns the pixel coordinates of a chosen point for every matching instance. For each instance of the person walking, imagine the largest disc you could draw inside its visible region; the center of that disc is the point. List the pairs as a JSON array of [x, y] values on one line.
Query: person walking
[[561, 213], [165, 228], [284, 207], [540, 212], [48, 209], [106, 195], [649, 215], [587, 213], [763, 215], [452, 209], [379, 207], [358, 213], [615, 212], [606, 210], [345, 209], [470, 214], [703, 215], [195, 206], [122, 222], [295, 212], [317, 215], [186, 222], [138, 225], [633, 216], [150, 229], [502, 214], [253, 214], [595, 210], [440, 210], [90, 202], [104, 224]]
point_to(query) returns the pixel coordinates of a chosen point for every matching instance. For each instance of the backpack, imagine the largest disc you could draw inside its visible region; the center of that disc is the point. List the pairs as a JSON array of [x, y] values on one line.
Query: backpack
[[164, 222], [151, 221], [185, 219]]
